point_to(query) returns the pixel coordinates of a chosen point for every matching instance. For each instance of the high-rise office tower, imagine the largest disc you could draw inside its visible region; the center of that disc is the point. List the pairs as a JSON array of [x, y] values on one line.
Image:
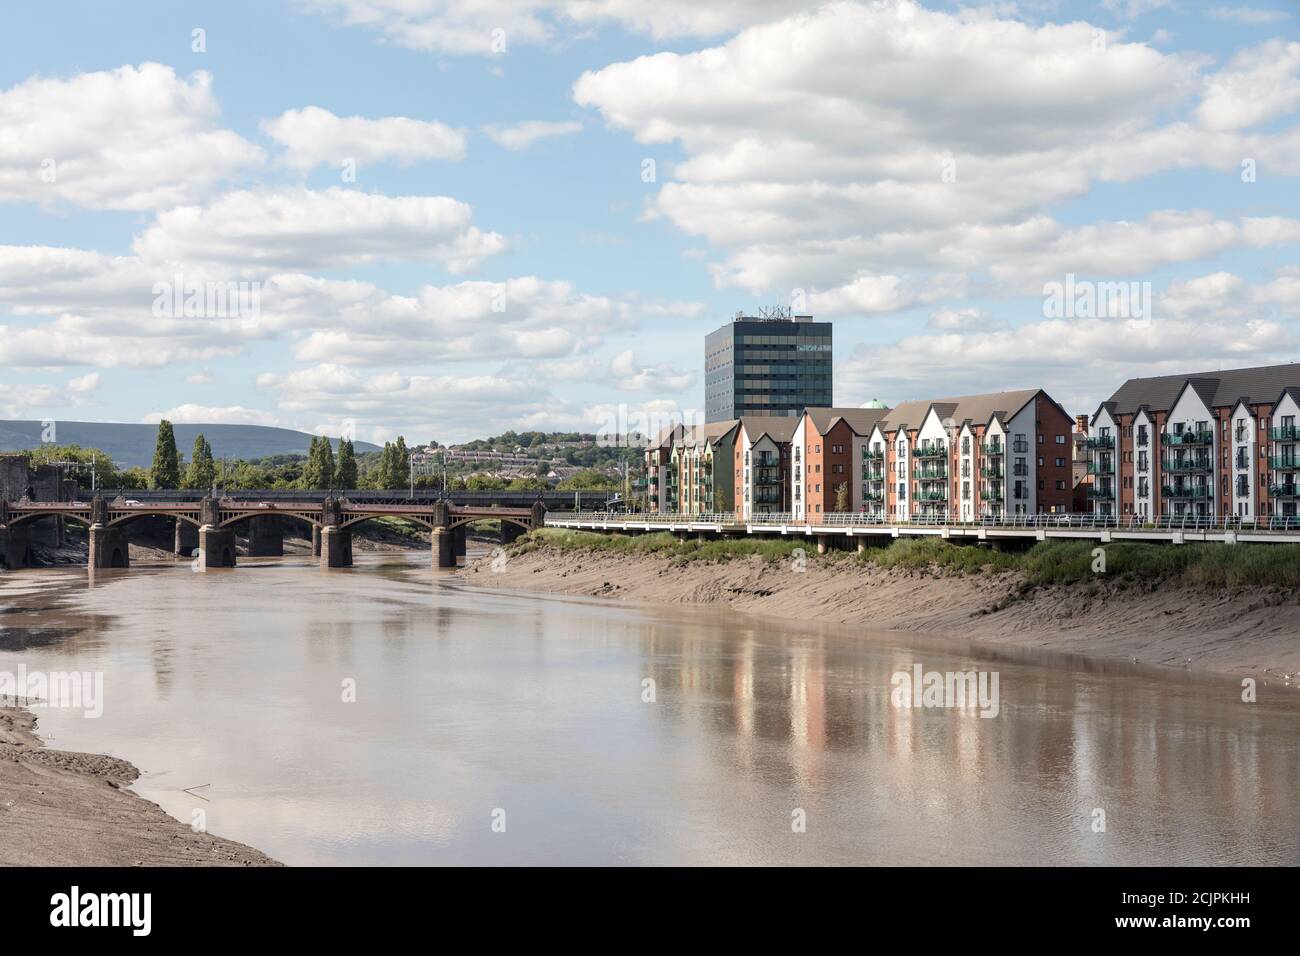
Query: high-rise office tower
[[773, 363]]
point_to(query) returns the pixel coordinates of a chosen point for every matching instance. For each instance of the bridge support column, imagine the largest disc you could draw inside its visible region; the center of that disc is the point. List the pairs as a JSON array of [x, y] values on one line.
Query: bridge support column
[[444, 554], [335, 547], [108, 547], [216, 547], [187, 538], [460, 541], [265, 537], [315, 541], [821, 544], [15, 548]]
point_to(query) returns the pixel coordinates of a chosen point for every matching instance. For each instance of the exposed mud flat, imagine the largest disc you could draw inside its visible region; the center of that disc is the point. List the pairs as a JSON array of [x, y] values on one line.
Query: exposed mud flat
[[1240, 631], [59, 808]]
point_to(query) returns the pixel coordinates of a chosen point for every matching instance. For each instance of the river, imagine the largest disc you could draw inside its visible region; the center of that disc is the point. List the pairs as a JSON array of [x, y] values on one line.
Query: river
[[512, 728]]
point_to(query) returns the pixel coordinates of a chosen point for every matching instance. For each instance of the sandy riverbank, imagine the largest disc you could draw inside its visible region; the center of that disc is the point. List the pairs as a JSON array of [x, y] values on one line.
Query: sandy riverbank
[[1232, 631], [59, 808]]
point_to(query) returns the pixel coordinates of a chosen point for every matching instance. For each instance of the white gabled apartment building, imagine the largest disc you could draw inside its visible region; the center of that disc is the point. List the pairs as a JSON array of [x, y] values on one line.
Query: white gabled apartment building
[[1206, 444], [968, 457]]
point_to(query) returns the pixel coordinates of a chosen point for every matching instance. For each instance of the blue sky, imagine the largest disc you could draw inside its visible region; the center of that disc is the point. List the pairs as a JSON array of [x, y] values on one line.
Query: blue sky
[[799, 153]]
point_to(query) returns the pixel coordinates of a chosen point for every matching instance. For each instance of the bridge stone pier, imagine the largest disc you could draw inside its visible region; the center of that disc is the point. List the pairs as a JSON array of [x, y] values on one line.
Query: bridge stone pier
[[315, 541], [15, 543], [187, 538], [265, 537], [441, 544], [216, 544], [108, 547], [335, 542]]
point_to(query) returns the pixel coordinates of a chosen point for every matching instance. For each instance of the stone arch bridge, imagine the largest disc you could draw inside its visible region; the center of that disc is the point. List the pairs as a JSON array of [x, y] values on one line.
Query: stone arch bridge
[[208, 526]]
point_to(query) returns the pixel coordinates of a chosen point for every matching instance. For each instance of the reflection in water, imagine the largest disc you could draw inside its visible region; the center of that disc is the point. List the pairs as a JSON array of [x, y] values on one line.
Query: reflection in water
[[468, 701]]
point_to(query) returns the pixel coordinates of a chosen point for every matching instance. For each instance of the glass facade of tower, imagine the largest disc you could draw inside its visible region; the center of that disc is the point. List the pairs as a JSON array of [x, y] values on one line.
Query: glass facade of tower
[[767, 366]]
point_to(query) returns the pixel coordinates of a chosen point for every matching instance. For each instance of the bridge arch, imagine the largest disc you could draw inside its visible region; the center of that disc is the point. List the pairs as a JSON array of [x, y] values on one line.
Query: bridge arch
[[312, 520], [123, 519], [525, 523], [415, 519], [51, 513]]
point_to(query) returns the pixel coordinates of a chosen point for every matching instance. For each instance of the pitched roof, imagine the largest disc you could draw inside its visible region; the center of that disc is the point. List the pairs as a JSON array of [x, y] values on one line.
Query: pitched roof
[[666, 437], [860, 420], [712, 433], [779, 427], [978, 408], [1260, 384]]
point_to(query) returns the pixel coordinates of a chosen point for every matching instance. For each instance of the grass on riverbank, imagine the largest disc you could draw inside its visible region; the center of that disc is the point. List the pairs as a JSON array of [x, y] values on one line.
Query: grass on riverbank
[[1126, 564]]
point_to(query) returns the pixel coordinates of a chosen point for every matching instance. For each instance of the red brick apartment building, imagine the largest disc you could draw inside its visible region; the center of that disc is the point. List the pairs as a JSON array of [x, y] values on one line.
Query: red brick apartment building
[[1204, 444], [827, 456]]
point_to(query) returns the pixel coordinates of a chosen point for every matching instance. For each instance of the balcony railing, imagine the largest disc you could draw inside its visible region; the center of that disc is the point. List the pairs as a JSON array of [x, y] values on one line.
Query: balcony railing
[[1101, 494], [874, 496], [1285, 433], [1187, 490], [994, 472], [935, 471], [931, 495], [767, 476], [993, 449], [1101, 441], [930, 450], [869, 455], [1106, 467], [1187, 465], [1284, 464], [1195, 437], [1284, 491], [992, 495]]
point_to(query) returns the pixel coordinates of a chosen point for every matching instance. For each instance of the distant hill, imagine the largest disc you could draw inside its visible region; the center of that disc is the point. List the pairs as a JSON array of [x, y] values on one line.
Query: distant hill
[[130, 444]]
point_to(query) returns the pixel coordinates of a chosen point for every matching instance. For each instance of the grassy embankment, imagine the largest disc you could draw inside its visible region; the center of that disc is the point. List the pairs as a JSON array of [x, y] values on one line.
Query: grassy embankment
[[1127, 564]]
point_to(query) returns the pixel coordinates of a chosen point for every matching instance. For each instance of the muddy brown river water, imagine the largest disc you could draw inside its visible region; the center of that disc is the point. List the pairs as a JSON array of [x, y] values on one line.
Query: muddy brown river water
[[511, 728]]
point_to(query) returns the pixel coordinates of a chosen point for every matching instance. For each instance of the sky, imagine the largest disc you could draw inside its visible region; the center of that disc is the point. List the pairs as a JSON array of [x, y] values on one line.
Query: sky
[[456, 217]]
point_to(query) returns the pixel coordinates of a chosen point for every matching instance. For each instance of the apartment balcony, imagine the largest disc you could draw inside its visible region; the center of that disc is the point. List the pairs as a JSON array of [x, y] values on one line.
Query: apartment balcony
[[1284, 464], [994, 494], [993, 449], [1187, 490], [762, 498], [876, 471], [925, 450], [929, 495], [1106, 467], [874, 497], [1285, 433], [1189, 438], [1187, 465], [869, 455], [995, 472], [931, 472], [1101, 441], [1284, 490], [1101, 494], [767, 476]]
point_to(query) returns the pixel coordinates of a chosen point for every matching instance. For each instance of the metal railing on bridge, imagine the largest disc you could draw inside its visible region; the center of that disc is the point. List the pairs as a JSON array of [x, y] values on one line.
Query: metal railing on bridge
[[1162, 523]]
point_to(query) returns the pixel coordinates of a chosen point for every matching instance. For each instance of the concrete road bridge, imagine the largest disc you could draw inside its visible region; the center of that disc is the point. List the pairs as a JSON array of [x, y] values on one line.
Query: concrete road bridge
[[829, 530], [205, 527]]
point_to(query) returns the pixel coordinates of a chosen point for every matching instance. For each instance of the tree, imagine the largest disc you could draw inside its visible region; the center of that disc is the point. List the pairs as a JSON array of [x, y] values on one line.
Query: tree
[[842, 496], [384, 478], [345, 471], [401, 463], [166, 469], [326, 468], [588, 480], [311, 470], [202, 472]]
